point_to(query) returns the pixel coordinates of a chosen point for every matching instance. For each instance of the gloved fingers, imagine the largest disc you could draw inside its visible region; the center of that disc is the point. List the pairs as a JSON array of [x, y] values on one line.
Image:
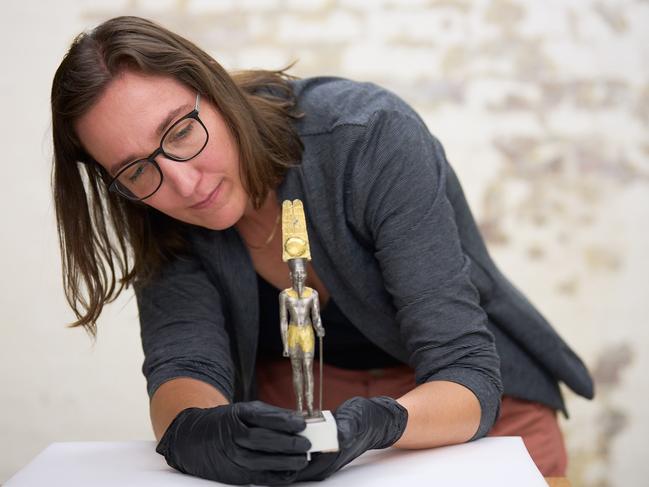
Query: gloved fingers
[[354, 410], [273, 478], [257, 413], [348, 431], [259, 461], [353, 403], [321, 466], [382, 418], [262, 439]]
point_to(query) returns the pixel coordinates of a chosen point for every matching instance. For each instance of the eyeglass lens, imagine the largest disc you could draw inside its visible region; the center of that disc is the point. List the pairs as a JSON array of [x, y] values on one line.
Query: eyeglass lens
[[183, 141]]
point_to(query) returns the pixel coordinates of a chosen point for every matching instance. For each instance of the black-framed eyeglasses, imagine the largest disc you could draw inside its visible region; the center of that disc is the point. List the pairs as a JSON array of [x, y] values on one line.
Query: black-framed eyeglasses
[[183, 141]]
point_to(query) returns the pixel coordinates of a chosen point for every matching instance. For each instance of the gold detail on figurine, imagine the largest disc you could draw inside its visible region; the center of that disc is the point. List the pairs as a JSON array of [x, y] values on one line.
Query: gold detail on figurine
[[305, 293], [295, 237], [302, 337]]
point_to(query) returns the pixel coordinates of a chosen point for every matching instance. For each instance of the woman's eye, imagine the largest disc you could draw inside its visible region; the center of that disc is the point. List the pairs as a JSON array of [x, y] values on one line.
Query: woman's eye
[[182, 132], [137, 173]]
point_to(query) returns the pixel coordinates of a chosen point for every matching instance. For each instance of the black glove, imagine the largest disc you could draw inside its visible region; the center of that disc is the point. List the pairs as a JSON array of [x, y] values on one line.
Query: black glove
[[240, 443], [363, 424]]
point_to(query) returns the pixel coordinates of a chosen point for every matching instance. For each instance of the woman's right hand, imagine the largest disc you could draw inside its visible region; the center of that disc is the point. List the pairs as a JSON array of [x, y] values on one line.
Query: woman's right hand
[[240, 443]]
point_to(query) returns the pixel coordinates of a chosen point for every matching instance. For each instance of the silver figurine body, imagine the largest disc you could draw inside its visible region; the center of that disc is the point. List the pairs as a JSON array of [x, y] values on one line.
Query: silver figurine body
[[299, 311]]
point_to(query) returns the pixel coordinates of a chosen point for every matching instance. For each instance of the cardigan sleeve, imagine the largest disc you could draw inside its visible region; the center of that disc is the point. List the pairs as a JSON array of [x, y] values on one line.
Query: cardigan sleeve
[[399, 201], [182, 328]]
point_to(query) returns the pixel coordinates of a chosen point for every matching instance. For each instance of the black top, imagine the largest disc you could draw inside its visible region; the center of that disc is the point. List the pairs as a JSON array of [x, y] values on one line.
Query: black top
[[344, 346], [398, 249]]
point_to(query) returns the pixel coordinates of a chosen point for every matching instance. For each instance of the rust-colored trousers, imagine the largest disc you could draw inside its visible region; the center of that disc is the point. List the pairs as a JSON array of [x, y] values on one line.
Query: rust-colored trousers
[[535, 423]]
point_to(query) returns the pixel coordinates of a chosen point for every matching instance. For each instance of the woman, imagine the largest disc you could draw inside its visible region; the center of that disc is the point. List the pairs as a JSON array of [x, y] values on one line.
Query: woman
[[169, 174]]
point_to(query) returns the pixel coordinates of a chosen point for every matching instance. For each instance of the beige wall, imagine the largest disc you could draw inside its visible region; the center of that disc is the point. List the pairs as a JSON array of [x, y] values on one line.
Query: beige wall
[[543, 108]]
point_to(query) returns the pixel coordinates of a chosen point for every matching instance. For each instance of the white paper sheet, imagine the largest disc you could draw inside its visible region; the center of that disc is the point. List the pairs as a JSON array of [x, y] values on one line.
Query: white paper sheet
[[501, 462]]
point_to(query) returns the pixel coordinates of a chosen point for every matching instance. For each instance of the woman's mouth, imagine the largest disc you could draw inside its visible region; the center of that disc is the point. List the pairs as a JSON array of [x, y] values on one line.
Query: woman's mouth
[[209, 199]]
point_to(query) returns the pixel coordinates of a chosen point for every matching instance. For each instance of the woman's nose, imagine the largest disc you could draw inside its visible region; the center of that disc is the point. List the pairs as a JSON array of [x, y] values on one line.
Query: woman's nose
[[182, 177]]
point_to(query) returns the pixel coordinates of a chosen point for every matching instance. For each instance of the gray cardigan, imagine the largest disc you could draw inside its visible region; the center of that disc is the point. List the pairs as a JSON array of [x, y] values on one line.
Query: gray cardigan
[[394, 242]]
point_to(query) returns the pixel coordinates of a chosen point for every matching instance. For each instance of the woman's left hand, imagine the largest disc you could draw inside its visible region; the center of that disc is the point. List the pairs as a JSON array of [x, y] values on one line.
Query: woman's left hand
[[363, 424]]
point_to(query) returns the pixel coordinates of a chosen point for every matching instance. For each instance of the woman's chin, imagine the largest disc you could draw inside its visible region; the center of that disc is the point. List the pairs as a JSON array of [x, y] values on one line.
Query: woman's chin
[[221, 220]]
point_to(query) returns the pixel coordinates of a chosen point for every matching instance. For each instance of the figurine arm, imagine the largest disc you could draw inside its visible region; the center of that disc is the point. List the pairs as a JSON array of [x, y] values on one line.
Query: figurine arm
[[283, 322], [315, 315]]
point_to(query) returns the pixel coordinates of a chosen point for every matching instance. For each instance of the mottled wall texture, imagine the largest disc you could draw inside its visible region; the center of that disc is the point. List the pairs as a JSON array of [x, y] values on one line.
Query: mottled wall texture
[[543, 107]]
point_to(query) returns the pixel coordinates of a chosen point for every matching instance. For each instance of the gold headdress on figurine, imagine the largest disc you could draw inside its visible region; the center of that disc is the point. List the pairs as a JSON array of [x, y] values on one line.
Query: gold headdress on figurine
[[295, 240]]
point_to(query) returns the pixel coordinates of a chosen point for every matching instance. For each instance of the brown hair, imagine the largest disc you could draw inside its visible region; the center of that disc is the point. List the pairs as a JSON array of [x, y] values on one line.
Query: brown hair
[[102, 234]]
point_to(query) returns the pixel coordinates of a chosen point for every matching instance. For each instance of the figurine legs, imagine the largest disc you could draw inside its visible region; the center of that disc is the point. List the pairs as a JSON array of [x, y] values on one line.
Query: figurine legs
[[301, 346], [296, 364], [303, 382], [308, 376]]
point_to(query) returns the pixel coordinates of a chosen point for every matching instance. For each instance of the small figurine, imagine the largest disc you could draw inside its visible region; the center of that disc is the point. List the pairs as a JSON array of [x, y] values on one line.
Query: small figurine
[[299, 310], [302, 304]]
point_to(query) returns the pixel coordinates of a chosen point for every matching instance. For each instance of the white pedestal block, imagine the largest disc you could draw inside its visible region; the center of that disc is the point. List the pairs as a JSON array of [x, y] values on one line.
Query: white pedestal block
[[322, 433]]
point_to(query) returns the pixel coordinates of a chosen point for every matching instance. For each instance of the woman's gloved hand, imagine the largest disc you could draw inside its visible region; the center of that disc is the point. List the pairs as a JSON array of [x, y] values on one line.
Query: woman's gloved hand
[[240, 443], [363, 424]]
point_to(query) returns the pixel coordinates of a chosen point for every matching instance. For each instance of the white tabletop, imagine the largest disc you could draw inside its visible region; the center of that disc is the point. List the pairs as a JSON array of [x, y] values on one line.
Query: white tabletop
[[498, 461]]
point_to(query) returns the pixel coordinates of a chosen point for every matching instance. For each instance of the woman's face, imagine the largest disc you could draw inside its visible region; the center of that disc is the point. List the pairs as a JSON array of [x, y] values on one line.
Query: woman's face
[[126, 124]]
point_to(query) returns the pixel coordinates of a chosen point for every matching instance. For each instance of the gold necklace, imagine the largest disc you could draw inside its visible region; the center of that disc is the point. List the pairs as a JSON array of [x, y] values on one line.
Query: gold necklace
[[270, 237]]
